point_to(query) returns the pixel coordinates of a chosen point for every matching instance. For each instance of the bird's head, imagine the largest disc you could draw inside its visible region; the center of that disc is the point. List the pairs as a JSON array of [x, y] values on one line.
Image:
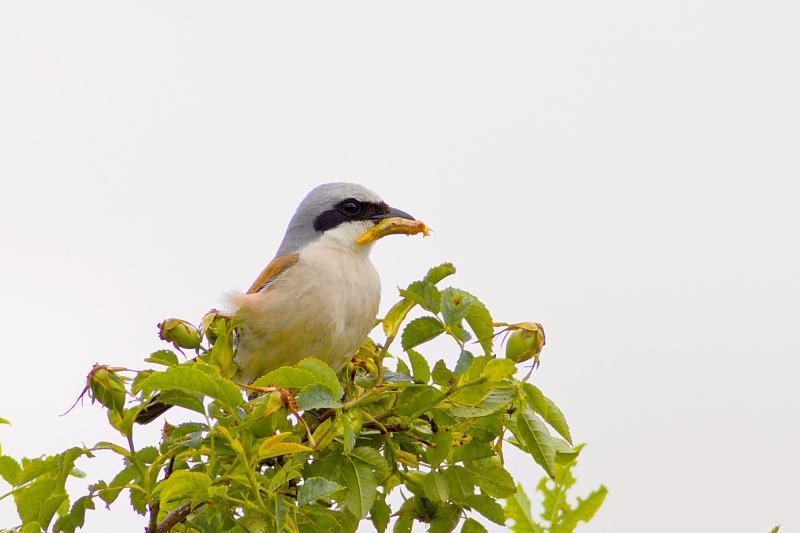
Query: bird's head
[[339, 213]]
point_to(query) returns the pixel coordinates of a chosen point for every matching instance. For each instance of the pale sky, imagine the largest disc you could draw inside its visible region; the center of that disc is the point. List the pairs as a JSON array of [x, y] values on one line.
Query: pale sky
[[625, 173]]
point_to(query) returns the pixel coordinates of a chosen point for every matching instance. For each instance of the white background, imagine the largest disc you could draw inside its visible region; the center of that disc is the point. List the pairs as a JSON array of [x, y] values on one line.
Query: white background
[[625, 173]]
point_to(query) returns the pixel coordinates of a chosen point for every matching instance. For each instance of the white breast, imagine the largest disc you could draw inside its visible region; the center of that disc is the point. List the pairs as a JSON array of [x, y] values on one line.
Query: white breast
[[323, 307]]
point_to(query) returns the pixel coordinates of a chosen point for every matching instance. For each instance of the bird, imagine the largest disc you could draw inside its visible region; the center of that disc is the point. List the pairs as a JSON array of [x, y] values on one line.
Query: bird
[[319, 295]]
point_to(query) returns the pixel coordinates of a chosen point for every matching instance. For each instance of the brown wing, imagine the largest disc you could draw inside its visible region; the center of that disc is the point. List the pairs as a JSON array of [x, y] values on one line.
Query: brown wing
[[275, 268]]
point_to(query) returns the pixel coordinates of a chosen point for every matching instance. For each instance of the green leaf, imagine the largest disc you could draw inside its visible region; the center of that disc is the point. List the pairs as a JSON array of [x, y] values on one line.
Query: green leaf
[[422, 371], [545, 407], [446, 519], [39, 501], [488, 507], [110, 494], [421, 330], [192, 379], [518, 509], [287, 376], [76, 517], [414, 398], [315, 488], [565, 454], [583, 512], [184, 482], [9, 469], [480, 321], [33, 468], [317, 396], [274, 446], [441, 375], [537, 440], [464, 363], [438, 273], [323, 374], [379, 514], [361, 485], [473, 451], [460, 483], [396, 315], [424, 294], [444, 442], [493, 479], [188, 400], [455, 305], [498, 369], [435, 487], [473, 526], [163, 357], [4, 421]]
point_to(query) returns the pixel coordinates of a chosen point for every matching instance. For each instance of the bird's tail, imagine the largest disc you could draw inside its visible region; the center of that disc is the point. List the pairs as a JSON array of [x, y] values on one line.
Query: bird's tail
[[153, 410]]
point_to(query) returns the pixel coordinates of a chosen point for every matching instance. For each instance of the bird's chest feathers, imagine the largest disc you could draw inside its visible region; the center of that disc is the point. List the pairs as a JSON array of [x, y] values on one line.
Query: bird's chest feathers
[[344, 284]]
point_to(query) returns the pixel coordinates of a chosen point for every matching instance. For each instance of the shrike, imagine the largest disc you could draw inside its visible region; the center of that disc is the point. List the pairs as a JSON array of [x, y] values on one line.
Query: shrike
[[319, 296]]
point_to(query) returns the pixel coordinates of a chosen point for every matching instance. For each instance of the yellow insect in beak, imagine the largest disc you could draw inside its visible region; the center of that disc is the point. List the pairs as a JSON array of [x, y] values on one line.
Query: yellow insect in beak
[[393, 226]]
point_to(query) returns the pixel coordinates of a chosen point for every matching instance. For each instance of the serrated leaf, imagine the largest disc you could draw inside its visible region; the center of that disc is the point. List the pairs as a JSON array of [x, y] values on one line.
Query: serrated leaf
[[192, 379], [414, 398], [493, 479], [438, 273], [518, 509], [9, 469], [422, 372], [460, 483], [472, 451], [565, 454], [480, 321], [441, 375], [446, 519], [163, 357], [472, 526], [315, 488], [547, 409], [424, 294], [124, 477], [323, 373], [33, 468], [464, 363], [421, 330], [488, 507], [361, 486], [583, 512], [380, 514], [498, 369], [444, 442], [396, 315], [275, 446], [184, 482], [287, 376], [188, 400], [455, 305], [435, 487], [317, 396], [537, 440]]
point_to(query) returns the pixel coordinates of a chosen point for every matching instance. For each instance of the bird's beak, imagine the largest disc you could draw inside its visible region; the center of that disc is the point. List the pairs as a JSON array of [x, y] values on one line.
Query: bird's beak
[[392, 223], [393, 213]]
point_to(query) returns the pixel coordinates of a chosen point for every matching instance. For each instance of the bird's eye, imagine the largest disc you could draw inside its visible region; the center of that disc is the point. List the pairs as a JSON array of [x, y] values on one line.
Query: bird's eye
[[351, 208]]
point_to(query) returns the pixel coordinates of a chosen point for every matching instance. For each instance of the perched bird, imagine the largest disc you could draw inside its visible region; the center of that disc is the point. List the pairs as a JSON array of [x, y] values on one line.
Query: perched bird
[[319, 296]]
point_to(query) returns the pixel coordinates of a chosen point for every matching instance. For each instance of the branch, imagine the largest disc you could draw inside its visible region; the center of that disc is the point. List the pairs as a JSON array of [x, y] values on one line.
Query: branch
[[174, 518]]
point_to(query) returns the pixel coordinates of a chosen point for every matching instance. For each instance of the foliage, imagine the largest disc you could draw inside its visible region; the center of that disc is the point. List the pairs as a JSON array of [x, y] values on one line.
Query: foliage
[[308, 451], [558, 515]]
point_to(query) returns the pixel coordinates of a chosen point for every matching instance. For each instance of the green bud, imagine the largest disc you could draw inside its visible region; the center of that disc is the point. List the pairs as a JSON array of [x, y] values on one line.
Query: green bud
[[210, 324], [524, 344], [180, 333]]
